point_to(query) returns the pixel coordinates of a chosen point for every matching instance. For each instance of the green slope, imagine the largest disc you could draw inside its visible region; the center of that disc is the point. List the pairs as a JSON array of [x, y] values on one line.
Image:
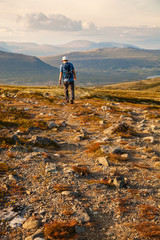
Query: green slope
[[25, 70], [111, 65]]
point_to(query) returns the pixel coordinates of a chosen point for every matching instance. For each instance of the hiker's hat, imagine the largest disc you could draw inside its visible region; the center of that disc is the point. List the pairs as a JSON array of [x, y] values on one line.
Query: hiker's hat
[[64, 58]]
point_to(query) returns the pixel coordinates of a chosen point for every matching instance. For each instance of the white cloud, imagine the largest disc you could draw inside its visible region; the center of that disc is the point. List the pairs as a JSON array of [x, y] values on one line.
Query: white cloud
[[52, 22]]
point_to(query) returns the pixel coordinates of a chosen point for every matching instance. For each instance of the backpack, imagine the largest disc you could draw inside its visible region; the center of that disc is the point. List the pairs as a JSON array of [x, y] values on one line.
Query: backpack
[[67, 70]]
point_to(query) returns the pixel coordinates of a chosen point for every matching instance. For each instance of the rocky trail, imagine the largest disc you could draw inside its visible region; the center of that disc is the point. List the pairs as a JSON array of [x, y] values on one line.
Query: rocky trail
[[88, 170]]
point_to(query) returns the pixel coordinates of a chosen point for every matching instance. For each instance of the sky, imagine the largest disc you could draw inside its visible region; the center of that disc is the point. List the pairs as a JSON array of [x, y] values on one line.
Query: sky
[[57, 22]]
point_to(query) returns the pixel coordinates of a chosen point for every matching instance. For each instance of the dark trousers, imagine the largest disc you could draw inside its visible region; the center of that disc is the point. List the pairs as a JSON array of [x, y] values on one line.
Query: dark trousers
[[66, 86]]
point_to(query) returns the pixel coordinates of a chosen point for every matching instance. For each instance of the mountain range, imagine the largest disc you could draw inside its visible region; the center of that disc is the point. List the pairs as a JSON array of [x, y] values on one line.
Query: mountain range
[[47, 50], [98, 66]]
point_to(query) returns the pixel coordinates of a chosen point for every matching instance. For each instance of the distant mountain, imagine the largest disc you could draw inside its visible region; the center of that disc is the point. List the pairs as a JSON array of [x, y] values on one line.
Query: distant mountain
[[20, 69], [51, 50], [87, 45], [111, 65]]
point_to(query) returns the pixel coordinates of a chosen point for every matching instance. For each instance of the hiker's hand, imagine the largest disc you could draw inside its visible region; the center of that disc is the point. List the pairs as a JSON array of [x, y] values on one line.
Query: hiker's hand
[[74, 79], [59, 82]]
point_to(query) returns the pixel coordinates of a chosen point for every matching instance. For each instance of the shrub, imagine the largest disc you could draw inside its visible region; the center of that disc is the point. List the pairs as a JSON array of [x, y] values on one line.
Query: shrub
[[4, 168], [124, 130], [148, 229], [81, 170], [61, 230], [93, 147], [148, 212]]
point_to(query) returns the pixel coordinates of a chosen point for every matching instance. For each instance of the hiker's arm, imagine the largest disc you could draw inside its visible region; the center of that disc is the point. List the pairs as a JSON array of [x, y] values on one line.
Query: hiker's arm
[[60, 77], [74, 73]]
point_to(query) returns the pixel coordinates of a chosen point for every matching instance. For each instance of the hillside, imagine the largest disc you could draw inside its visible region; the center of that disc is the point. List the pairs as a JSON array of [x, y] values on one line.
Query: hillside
[[48, 49], [25, 70], [111, 65], [88, 170]]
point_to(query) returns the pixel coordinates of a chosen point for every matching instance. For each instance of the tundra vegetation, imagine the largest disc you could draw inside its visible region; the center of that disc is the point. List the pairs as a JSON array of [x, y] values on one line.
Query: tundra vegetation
[[88, 170]]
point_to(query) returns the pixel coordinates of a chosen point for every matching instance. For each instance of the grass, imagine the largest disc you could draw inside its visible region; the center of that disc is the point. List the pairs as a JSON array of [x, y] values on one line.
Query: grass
[[117, 157], [92, 148], [148, 212], [143, 166], [61, 188], [81, 170], [4, 168], [60, 230], [124, 130], [148, 229]]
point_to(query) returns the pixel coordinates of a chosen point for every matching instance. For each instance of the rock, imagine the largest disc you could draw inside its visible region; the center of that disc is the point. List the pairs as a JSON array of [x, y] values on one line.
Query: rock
[[39, 238], [31, 223], [32, 129], [80, 214], [50, 167], [116, 150], [13, 178], [120, 182], [150, 139], [124, 156], [104, 161], [155, 158], [5, 186], [37, 235], [26, 109], [7, 214], [15, 139], [105, 149], [79, 137], [109, 130], [105, 108], [105, 139], [43, 141], [157, 164], [153, 127], [17, 221], [52, 125], [79, 229], [31, 156], [102, 122]]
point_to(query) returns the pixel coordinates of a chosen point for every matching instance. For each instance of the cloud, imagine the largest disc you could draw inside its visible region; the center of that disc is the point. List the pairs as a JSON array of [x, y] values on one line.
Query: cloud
[[53, 22]]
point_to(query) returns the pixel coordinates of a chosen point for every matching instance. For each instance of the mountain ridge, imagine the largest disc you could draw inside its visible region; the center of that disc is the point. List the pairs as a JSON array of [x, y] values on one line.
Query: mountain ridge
[[48, 49]]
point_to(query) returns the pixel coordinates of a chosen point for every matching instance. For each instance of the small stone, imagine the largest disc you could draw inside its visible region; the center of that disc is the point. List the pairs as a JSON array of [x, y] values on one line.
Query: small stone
[[32, 129], [155, 158], [124, 156], [26, 109], [50, 167], [15, 139], [116, 150], [79, 229], [119, 182], [52, 125], [157, 164], [28, 192], [37, 235], [31, 223], [105, 108], [150, 139], [17, 222], [80, 214], [13, 178], [103, 161], [102, 122]]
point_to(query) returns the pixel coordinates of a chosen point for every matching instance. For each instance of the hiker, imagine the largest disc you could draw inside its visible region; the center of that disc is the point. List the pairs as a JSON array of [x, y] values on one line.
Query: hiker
[[67, 72]]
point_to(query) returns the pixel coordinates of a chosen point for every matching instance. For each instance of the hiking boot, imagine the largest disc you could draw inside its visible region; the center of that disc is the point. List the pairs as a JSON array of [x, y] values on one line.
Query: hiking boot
[[72, 102], [67, 101]]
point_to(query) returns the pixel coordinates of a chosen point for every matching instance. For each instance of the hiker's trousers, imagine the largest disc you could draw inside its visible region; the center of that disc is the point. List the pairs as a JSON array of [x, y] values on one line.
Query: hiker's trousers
[[66, 86]]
